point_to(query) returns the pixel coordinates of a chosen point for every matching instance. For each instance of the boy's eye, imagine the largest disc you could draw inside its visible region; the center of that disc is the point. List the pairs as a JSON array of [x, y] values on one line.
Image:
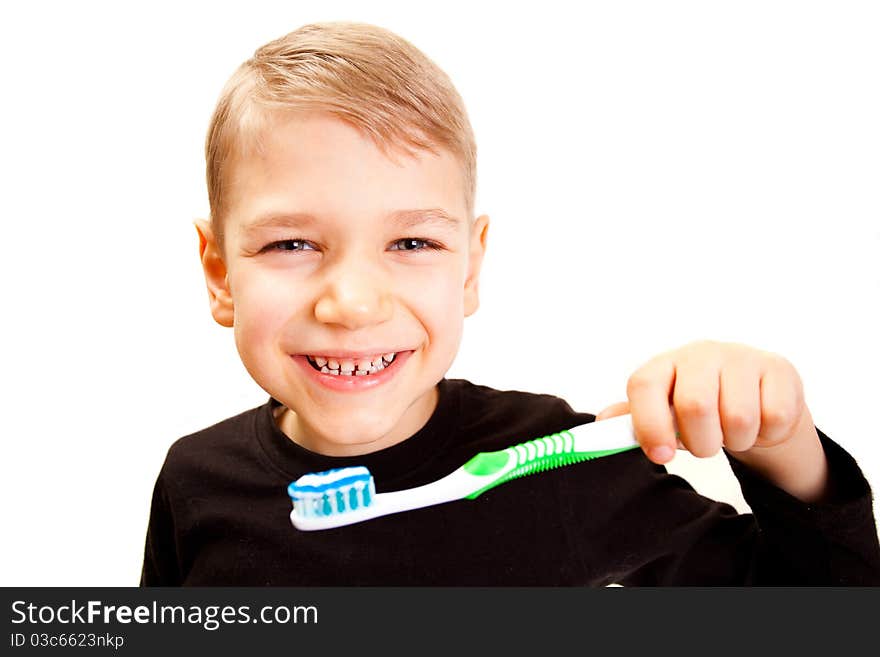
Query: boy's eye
[[287, 245], [414, 244]]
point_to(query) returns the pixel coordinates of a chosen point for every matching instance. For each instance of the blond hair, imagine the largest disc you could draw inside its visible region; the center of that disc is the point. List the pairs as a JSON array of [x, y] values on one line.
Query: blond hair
[[363, 74]]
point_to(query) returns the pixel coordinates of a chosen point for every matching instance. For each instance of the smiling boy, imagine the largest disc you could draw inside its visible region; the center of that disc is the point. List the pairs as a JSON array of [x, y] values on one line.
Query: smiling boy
[[344, 252]]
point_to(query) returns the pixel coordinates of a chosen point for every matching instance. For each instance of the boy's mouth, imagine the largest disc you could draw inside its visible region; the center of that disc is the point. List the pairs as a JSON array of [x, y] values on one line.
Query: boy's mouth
[[362, 366]]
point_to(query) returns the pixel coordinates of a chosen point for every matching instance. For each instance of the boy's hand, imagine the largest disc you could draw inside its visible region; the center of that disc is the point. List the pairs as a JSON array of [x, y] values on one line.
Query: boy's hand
[[709, 395]]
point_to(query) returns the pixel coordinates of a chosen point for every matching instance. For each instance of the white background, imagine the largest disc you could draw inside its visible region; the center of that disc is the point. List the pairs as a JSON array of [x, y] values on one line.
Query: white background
[[655, 173]]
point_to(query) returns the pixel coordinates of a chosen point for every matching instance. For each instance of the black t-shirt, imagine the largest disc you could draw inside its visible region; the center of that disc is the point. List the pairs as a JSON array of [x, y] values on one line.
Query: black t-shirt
[[220, 513]]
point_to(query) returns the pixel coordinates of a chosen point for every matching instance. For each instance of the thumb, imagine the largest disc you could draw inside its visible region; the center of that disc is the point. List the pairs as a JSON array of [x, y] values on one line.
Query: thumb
[[620, 408]]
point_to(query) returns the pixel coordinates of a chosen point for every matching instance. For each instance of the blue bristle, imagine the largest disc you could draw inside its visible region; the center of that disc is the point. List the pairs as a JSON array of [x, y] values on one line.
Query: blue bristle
[[346, 490]]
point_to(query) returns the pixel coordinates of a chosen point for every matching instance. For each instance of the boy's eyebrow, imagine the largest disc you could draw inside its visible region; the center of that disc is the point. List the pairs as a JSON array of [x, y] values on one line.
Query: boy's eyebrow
[[402, 218], [431, 216], [278, 220]]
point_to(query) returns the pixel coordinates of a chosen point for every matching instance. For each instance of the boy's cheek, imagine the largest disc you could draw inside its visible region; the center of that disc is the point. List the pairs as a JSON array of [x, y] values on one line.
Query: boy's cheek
[[440, 286], [261, 315]]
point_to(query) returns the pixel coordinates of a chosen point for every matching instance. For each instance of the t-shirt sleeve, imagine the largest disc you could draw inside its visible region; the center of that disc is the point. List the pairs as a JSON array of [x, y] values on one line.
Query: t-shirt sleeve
[[161, 565], [834, 542]]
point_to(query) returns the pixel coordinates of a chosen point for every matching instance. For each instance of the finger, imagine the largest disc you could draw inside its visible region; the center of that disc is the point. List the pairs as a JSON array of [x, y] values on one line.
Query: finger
[[739, 403], [648, 390], [620, 408], [695, 402], [782, 402]]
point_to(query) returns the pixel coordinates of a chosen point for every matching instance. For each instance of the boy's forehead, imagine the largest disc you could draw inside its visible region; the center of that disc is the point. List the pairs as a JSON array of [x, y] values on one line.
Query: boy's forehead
[[304, 169]]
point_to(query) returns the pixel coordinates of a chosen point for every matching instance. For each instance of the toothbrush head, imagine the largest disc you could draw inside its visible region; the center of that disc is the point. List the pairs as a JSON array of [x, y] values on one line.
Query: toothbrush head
[[318, 495]]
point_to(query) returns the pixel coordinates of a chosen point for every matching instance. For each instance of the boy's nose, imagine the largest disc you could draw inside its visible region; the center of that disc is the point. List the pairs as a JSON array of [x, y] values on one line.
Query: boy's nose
[[354, 297]]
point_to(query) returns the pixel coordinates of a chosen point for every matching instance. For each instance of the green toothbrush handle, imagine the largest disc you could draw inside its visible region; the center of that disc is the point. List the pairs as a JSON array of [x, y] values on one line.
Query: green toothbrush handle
[[548, 452]]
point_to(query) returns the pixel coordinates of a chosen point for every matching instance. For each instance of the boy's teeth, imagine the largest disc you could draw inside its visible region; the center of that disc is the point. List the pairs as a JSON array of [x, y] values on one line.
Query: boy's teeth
[[350, 367]]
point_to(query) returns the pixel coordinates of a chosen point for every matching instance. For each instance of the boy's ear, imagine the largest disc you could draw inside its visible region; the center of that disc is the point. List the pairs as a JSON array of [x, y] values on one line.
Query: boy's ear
[[479, 232], [215, 274]]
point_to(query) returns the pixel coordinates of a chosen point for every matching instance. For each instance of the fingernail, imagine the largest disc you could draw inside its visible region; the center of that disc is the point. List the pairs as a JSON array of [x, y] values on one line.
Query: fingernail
[[661, 453]]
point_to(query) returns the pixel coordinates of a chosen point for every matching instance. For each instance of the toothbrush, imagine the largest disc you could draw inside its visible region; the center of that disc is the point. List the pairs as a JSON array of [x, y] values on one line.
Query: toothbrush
[[345, 496]]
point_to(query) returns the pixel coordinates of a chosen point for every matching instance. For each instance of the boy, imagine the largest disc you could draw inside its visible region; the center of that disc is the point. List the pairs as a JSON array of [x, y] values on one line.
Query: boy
[[343, 251]]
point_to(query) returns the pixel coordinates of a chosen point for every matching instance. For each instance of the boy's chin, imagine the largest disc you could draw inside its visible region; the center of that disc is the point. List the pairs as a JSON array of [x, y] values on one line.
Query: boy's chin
[[353, 434]]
